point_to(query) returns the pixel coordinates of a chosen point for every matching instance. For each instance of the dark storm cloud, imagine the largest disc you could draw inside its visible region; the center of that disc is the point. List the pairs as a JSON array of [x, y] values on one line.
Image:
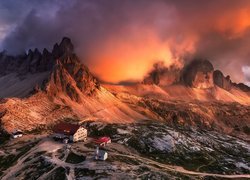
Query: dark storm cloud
[[217, 30], [83, 21], [30, 23]]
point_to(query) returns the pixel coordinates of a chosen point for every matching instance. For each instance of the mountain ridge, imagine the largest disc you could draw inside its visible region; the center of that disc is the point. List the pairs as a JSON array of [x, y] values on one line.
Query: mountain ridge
[[198, 73], [57, 80]]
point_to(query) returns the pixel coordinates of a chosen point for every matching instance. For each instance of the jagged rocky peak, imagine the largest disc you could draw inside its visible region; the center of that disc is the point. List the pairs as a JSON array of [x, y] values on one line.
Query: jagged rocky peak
[[31, 62], [222, 81], [242, 86], [72, 82], [37, 52], [60, 69], [66, 45], [79, 72], [65, 52], [69, 76], [61, 82], [226, 83], [162, 75], [198, 74], [56, 51], [45, 52], [34, 61]]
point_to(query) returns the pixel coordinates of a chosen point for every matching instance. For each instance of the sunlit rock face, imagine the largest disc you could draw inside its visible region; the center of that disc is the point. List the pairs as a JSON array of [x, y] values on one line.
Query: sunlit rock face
[[242, 87], [56, 72], [226, 83], [221, 81], [198, 74], [69, 76]]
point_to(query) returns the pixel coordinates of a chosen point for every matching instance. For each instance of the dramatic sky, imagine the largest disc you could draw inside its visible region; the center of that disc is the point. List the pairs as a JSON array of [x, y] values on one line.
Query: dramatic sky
[[121, 39]]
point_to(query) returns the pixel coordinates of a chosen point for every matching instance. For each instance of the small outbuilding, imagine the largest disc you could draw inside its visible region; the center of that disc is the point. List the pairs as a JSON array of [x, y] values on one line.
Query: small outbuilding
[[68, 132], [17, 134], [100, 154], [103, 141]]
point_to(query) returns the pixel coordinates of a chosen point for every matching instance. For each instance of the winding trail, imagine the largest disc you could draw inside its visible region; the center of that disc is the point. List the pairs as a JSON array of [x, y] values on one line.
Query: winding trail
[[50, 146], [45, 144], [211, 162], [147, 161], [181, 169]]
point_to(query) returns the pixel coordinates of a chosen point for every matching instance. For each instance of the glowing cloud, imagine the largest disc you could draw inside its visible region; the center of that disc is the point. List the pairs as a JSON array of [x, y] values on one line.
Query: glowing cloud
[[121, 40]]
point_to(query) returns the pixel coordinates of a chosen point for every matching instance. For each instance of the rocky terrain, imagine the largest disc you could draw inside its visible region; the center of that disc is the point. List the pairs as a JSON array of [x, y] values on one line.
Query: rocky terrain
[[64, 83], [190, 122], [63, 70], [142, 150]]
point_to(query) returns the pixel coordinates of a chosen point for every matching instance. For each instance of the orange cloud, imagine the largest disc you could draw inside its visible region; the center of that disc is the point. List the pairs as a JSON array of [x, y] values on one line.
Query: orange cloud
[[125, 58], [234, 23]]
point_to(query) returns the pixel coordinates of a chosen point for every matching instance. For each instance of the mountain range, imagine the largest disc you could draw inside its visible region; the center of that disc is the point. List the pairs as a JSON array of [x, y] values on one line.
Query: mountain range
[[177, 123], [38, 89]]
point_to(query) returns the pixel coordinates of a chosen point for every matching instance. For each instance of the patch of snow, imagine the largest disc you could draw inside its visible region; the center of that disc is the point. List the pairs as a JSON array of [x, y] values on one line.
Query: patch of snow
[[195, 148], [229, 160], [122, 131], [123, 141], [208, 149], [242, 165], [174, 134], [243, 144], [166, 143]]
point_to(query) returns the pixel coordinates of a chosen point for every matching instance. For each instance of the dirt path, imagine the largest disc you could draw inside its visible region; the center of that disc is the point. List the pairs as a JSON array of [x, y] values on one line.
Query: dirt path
[[44, 176], [148, 162], [12, 170], [49, 145], [71, 175], [211, 162], [44, 145], [181, 169]]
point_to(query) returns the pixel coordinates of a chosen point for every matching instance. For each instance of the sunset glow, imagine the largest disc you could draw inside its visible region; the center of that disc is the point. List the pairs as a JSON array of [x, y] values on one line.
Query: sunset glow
[[121, 40], [122, 59], [130, 56], [127, 59], [234, 23], [124, 89]]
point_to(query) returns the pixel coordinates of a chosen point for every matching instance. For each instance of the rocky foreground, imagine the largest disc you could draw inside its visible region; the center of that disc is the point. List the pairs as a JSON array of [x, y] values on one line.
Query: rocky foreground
[[141, 150]]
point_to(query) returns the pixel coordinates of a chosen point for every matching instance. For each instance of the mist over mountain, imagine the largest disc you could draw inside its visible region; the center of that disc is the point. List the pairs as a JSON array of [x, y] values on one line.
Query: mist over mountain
[[124, 89], [61, 77], [168, 31]]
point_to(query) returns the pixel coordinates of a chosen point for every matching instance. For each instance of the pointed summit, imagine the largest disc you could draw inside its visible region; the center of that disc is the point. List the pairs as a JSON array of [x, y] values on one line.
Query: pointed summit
[[45, 51], [65, 52], [66, 45], [69, 76], [56, 51]]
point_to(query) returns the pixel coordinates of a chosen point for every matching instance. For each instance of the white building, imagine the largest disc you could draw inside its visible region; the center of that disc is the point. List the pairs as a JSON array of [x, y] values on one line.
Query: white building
[[17, 134], [72, 132], [100, 154]]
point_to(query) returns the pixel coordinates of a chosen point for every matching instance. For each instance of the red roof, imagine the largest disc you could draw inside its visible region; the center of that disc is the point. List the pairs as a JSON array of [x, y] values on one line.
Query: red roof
[[102, 140], [66, 128]]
